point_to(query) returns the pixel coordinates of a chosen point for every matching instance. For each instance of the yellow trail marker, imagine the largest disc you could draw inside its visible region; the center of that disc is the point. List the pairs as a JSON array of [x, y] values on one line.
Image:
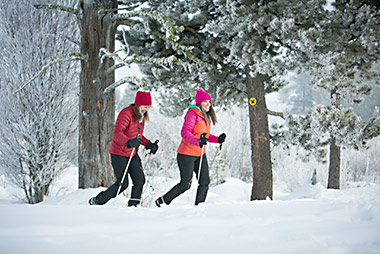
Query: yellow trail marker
[[252, 101]]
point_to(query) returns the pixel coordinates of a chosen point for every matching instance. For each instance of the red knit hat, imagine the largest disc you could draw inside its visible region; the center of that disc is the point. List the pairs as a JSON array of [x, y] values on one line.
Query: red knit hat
[[201, 96], [143, 98]]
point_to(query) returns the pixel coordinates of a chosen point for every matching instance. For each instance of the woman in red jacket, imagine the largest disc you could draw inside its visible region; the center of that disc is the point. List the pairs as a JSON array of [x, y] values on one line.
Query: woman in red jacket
[[197, 122], [130, 122]]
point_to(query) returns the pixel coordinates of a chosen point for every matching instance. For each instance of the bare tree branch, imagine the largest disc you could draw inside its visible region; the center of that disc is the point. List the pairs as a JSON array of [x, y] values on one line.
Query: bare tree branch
[[274, 113], [74, 57], [57, 7]]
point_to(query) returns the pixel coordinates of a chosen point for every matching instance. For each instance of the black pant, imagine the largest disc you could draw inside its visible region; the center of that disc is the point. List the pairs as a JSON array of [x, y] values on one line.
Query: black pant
[[119, 163], [187, 165]]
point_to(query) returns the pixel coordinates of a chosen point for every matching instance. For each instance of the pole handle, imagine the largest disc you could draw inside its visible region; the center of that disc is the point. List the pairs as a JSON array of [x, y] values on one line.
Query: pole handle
[[155, 142], [203, 136], [150, 154]]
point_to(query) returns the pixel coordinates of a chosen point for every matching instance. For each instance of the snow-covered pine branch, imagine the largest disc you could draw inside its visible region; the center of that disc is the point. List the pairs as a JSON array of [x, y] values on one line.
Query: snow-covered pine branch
[[166, 62], [130, 6], [313, 131], [128, 79], [57, 7], [170, 29], [134, 58], [170, 36], [372, 128], [186, 51]]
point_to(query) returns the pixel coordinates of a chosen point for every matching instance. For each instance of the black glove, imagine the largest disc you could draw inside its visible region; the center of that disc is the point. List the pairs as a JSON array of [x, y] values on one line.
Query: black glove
[[135, 142], [153, 147], [202, 140], [221, 138]]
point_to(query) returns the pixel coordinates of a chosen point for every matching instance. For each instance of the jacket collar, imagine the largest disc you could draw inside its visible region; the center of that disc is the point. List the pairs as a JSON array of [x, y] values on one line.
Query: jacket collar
[[194, 106], [197, 110]]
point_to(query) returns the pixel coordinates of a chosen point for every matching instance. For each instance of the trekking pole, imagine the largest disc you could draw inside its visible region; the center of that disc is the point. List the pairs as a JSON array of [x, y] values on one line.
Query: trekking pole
[[217, 152], [146, 164], [126, 169], [200, 163], [203, 135], [150, 155]]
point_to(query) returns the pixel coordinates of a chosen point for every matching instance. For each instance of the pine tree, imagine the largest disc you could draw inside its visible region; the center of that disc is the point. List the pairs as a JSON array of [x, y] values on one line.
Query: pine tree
[[250, 44], [345, 53], [351, 60]]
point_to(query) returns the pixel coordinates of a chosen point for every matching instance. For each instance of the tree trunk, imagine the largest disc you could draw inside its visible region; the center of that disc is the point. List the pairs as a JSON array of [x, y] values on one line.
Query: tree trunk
[[260, 142], [96, 110], [38, 194], [334, 167], [35, 194]]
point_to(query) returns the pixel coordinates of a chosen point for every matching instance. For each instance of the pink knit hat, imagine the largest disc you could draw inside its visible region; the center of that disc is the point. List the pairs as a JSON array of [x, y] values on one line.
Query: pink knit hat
[[201, 96]]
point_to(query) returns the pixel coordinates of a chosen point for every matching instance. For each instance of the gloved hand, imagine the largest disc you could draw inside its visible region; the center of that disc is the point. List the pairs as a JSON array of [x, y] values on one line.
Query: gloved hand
[[221, 138], [203, 140], [135, 142], [153, 147]]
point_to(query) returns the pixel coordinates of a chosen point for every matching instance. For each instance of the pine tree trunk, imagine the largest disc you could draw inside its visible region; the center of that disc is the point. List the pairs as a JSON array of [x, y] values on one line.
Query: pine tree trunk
[[334, 167], [96, 110], [260, 142]]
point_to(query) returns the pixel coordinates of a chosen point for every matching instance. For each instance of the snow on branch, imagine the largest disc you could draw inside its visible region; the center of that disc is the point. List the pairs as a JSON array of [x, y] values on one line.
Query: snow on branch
[[185, 51], [372, 128], [131, 6], [161, 19], [128, 2], [165, 62], [73, 57], [170, 36], [57, 7], [132, 79], [126, 61]]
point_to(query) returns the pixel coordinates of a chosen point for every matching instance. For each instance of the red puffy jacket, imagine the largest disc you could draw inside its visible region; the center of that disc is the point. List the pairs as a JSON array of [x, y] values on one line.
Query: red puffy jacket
[[126, 128]]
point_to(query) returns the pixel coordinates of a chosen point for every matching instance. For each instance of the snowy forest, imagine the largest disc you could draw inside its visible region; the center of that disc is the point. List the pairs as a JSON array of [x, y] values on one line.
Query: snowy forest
[[295, 86]]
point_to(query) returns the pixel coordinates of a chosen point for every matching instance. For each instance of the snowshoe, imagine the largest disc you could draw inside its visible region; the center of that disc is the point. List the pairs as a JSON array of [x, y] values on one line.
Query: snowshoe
[[92, 201], [159, 201]]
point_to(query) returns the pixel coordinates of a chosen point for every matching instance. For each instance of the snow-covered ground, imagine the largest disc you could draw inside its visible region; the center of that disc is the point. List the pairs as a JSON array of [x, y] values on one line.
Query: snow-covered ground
[[312, 219]]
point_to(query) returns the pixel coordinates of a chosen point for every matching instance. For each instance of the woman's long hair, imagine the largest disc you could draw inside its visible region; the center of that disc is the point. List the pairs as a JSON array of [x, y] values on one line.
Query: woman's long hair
[[138, 114], [210, 115]]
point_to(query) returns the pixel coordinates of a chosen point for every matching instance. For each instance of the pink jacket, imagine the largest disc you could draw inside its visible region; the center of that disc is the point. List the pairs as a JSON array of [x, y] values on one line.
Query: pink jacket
[[193, 126]]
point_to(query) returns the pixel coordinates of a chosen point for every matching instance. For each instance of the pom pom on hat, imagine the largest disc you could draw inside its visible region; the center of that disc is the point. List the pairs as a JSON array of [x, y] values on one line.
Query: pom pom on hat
[[143, 98], [201, 96]]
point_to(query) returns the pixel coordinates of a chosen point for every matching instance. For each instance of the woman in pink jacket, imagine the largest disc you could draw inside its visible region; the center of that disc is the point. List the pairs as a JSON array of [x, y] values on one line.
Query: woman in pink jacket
[[197, 122], [130, 123]]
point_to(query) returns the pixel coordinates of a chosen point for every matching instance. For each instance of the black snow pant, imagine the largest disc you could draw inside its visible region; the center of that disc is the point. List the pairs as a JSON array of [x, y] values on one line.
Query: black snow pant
[[119, 164], [187, 165]]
